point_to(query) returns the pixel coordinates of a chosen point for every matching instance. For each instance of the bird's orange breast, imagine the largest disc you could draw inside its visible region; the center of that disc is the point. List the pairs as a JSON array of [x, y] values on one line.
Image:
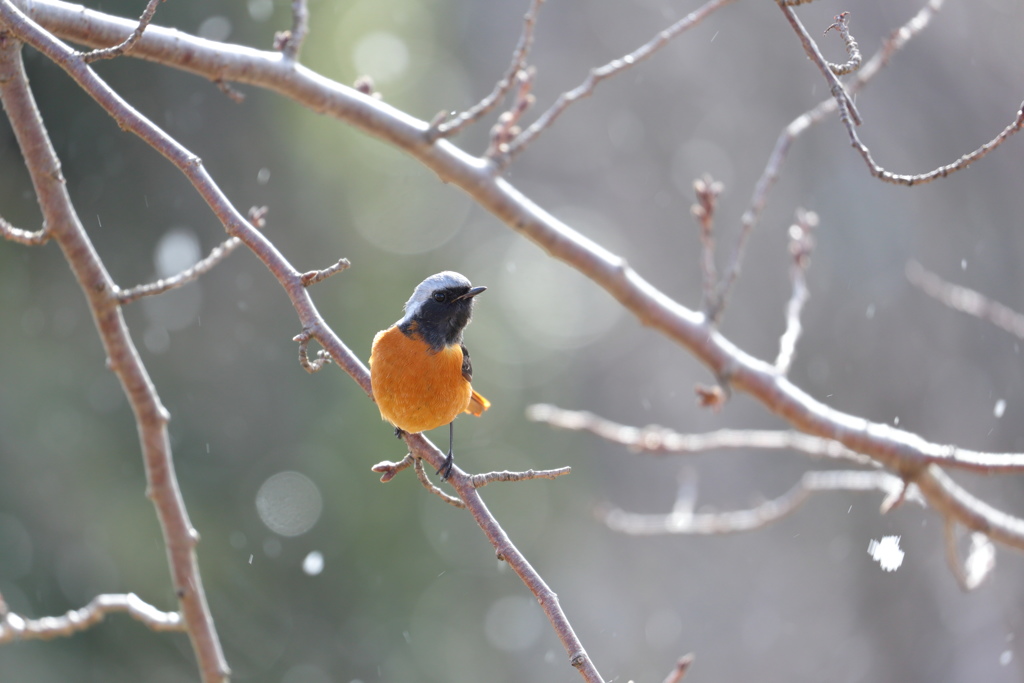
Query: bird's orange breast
[[417, 389]]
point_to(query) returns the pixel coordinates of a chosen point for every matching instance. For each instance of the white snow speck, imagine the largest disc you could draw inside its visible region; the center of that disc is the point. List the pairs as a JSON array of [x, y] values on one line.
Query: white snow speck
[[886, 552]]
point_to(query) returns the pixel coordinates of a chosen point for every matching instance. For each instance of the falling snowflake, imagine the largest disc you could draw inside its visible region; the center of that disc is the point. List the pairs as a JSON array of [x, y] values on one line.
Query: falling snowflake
[[886, 552]]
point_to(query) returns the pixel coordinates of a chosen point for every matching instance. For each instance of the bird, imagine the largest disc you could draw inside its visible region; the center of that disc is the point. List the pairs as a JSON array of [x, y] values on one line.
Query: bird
[[420, 371]]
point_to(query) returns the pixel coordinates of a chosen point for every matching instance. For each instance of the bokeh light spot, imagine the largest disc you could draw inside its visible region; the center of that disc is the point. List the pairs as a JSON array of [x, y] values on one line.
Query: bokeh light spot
[[289, 503]]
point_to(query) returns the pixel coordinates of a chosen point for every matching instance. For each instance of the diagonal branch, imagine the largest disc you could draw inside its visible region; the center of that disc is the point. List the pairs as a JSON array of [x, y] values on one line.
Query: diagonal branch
[[217, 254], [965, 300], [610, 69], [450, 127], [66, 229], [14, 627]]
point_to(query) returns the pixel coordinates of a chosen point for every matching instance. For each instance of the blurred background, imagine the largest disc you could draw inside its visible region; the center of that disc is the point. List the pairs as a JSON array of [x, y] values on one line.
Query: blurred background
[[314, 570]]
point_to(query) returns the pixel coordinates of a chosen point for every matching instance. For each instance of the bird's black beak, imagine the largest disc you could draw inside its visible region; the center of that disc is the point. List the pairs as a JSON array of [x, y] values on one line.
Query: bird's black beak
[[471, 293]]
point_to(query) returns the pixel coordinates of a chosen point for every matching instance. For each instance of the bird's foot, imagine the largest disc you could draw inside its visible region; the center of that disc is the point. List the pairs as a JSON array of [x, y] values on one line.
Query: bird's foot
[[446, 468]]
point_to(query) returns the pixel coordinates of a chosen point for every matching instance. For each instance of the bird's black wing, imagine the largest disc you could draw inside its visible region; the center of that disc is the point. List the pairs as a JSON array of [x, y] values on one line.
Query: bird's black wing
[[467, 365]]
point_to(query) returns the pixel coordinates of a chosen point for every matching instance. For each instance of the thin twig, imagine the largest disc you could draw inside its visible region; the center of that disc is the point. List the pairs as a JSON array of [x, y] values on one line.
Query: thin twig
[[314, 276], [679, 671], [322, 356], [506, 129], [850, 118], [26, 237], [442, 127], [388, 469], [707, 192], [290, 42], [801, 243], [895, 42], [483, 479], [430, 486], [610, 69], [942, 171], [685, 521], [14, 627], [257, 216], [841, 25], [216, 255], [845, 102], [965, 300], [129, 42]]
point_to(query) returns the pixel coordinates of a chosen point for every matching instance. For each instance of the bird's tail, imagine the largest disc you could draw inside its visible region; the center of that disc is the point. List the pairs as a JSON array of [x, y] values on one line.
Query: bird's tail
[[477, 404]]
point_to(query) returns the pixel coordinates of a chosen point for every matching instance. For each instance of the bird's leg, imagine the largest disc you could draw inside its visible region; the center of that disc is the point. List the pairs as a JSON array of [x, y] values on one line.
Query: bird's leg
[[399, 432], [446, 469]]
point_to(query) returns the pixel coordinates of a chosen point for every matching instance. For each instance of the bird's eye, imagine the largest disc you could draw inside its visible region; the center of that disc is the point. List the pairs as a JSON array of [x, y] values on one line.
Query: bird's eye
[[440, 297]]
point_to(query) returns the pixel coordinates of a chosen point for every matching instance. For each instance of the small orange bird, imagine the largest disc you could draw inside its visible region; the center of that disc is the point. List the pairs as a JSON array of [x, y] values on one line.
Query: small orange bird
[[419, 367]]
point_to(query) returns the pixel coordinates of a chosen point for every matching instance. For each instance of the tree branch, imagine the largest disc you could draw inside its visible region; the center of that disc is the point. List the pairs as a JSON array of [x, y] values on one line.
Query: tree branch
[[26, 237], [442, 128], [151, 417], [217, 254], [965, 300], [610, 69], [895, 42], [14, 627], [684, 521]]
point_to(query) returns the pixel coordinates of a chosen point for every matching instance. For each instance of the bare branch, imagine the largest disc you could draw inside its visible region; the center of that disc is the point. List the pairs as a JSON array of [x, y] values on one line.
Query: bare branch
[[151, 417], [680, 669], [442, 128], [965, 300], [841, 25], [942, 171], [126, 46], [322, 356], [610, 69], [685, 521], [846, 106], [14, 627], [290, 42], [801, 243], [430, 486], [388, 469], [800, 124], [850, 117], [707, 191], [661, 441], [26, 237], [217, 254], [506, 129], [479, 480], [314, 276]]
